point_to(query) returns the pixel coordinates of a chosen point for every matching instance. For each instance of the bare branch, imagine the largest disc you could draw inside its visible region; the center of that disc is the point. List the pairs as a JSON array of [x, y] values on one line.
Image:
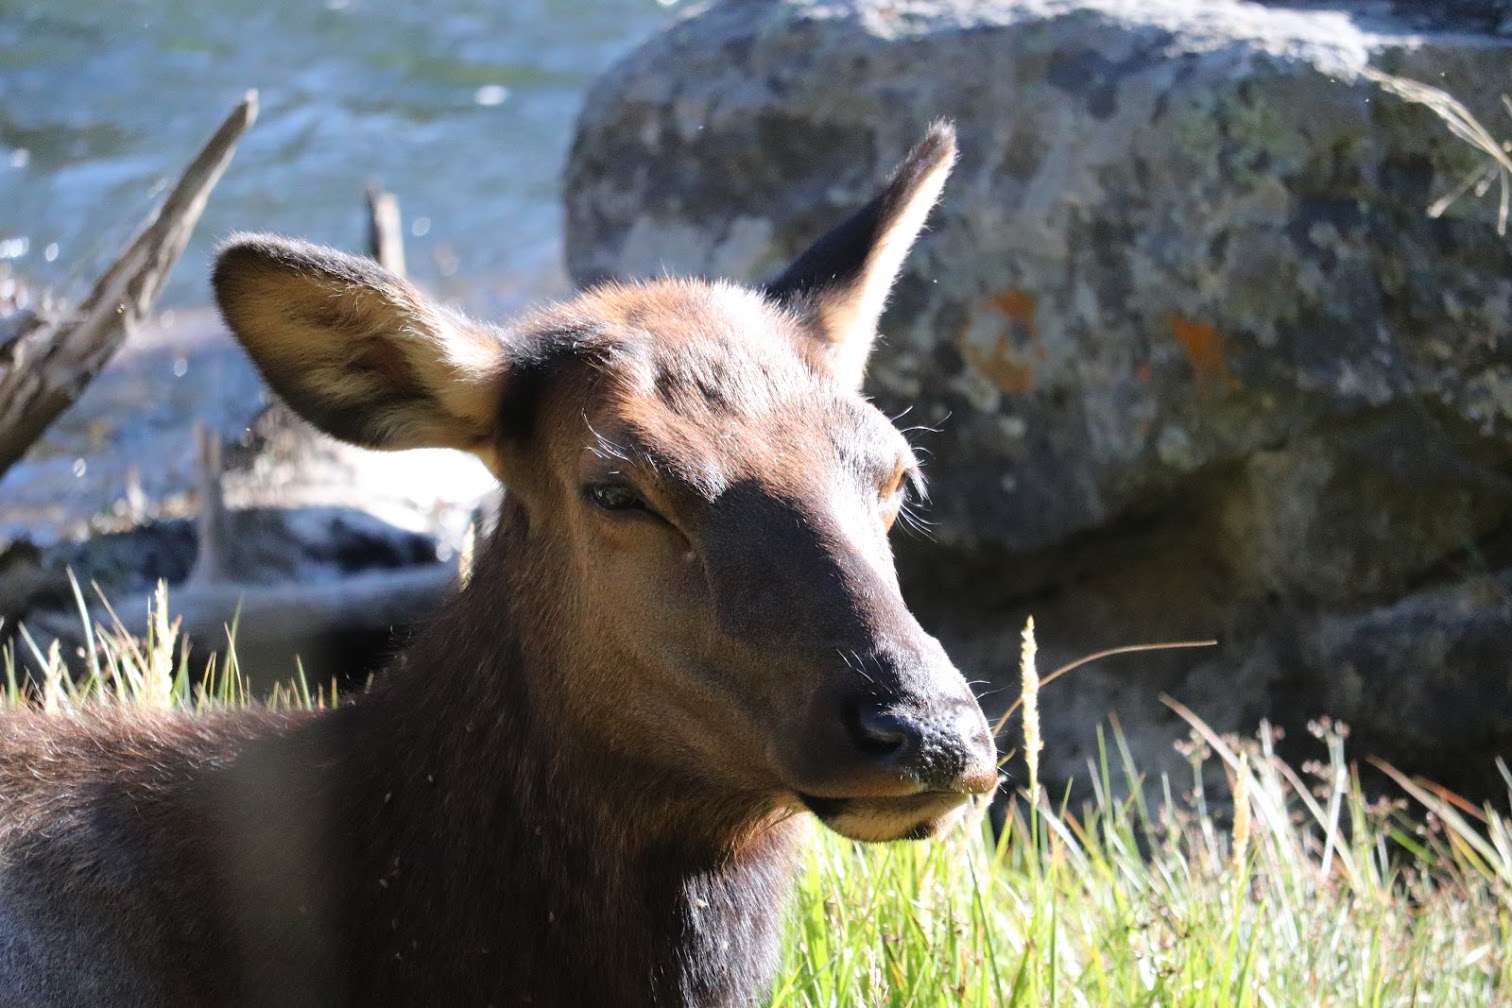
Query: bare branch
[[49, 363]]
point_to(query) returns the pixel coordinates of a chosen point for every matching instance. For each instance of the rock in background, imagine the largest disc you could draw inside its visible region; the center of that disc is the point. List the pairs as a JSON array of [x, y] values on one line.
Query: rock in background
[[1197, 360]]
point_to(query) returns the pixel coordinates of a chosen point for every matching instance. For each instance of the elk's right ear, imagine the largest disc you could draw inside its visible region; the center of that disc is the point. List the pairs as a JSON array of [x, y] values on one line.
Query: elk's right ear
[[841, 283], [358, 351]]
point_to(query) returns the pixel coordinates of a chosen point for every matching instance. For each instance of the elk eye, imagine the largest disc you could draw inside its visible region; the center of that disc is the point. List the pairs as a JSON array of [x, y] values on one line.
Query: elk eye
[[908, 490], [901, 491], [615, 497]]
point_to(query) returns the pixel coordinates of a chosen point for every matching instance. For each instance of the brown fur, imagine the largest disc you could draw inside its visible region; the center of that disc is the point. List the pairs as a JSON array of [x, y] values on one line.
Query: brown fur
[[578, 785]]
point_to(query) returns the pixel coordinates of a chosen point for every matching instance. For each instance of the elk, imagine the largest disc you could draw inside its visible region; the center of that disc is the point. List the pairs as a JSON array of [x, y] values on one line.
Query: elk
[[578, 783]]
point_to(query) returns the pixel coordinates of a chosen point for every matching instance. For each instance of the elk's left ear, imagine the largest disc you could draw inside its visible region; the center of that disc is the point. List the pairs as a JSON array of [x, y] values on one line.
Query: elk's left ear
[[359, 352], [841, 283]]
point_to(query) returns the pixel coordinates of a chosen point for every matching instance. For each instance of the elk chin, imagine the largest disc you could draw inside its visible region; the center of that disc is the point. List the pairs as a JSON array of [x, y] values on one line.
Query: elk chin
[[878, 820]]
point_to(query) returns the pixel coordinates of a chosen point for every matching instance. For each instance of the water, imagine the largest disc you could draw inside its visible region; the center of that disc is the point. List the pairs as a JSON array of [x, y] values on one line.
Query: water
[[464, 108]]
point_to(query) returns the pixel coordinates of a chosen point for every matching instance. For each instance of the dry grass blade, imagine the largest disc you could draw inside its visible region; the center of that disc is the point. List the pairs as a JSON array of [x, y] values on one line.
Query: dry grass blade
[[1461, 831], [1271, 808], [997, 729], [1463, 124]]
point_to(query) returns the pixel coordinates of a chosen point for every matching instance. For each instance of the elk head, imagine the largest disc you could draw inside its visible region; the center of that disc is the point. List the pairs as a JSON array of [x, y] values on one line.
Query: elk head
[[699, 496]]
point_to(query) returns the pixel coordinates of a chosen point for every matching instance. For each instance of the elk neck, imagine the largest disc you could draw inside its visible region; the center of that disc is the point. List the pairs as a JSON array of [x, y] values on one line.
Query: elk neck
[[511, 792]]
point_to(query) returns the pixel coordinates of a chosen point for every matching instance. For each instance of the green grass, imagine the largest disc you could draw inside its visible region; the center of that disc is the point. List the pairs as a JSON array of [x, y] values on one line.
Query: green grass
[[1286, 889], [1276, 887], [1120, 904]]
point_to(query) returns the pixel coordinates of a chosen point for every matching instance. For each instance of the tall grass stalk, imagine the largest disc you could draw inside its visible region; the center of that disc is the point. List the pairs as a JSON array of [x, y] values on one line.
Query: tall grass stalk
[[1029, 697], [118, 667], [1290, 888]]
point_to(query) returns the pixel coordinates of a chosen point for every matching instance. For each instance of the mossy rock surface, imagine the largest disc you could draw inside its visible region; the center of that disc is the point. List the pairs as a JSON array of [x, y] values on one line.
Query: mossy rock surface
[[1200, 361]]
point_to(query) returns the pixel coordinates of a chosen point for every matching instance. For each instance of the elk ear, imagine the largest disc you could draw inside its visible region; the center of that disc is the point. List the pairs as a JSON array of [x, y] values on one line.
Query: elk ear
[[358, 351], [841, 283]]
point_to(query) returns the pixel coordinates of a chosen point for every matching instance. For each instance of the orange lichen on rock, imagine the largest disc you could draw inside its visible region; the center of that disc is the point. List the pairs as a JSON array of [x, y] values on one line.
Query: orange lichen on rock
[[1018, 305], [1000, 339], [1205, 352]]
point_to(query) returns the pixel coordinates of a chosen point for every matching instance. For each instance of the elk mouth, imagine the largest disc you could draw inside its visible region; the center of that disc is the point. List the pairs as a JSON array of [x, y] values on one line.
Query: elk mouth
[[907, 817]]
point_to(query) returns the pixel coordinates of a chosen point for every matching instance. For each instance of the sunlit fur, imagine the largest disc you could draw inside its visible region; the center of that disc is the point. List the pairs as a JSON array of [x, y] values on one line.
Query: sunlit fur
[[585, 779]]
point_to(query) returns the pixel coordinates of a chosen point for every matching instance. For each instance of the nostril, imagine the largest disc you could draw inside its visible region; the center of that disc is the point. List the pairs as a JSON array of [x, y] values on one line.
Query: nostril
[[887, 734]]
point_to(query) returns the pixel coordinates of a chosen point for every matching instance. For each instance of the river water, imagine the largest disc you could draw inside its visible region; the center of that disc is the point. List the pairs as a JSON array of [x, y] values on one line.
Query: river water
[[464, 108]]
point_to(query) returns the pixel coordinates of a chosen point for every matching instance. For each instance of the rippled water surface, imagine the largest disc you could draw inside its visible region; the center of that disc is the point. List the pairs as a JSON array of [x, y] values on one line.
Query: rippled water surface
[[462, 107]]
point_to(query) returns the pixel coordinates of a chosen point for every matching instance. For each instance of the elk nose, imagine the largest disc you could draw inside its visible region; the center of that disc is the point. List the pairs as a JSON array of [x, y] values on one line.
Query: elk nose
[[937, 754]]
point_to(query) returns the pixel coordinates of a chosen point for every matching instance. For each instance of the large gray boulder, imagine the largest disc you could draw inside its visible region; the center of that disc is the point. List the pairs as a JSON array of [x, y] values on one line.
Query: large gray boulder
[[1197, 359]]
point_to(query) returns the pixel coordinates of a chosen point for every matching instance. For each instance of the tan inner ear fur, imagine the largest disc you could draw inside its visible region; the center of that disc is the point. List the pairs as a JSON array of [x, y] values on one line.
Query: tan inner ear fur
[[849, 316], [367, 358]]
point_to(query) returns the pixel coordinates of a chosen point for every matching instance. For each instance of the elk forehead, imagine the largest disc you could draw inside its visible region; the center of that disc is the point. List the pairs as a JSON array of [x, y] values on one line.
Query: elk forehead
[[710, 383]]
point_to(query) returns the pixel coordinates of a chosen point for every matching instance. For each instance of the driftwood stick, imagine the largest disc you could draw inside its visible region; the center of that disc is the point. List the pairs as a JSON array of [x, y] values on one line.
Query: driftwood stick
[[385, 229], [49, 365], [210, 528]]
